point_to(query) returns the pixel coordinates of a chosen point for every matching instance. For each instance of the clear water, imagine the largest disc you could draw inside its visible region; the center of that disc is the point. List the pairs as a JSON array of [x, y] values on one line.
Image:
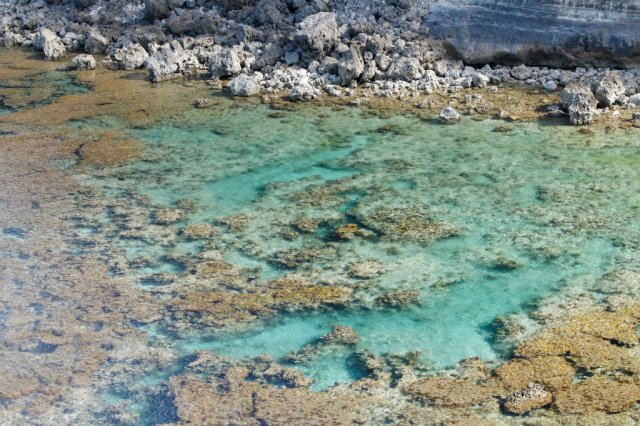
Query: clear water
[[535, 208], [37, 89]]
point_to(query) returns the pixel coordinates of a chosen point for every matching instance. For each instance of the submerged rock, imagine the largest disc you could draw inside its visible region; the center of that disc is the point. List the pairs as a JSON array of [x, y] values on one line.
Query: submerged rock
[[167, 216], [198, 231], [341, 335], [399, 298], [366, 270]]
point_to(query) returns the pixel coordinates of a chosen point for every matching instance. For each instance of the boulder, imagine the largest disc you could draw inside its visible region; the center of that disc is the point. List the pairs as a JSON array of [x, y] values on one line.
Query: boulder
[[351, 66], [528, 398], [155, 9], [609, 90], [225, 63], [192, 22], [303, 91], [84, 62], [95, 42], [572, 90], [52, 46], [634, 100], [406, 69], [317, 33], [271, 54], [449, 115], [130, 57], [12, 39], [244, 85], [479, 80], [550, 86], [583, 109], [521, 72], [169, 61], [269, 12]]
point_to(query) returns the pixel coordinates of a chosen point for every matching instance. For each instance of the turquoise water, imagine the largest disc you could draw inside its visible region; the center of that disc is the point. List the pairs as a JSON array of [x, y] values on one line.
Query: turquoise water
[[533, 209]]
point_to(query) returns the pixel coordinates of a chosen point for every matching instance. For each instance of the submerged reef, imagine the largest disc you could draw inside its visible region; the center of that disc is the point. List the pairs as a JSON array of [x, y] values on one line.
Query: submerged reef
[[263, 262]]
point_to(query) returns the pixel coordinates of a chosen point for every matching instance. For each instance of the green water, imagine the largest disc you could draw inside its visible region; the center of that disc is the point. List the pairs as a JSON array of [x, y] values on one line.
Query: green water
[[535, 208], [36, 90]]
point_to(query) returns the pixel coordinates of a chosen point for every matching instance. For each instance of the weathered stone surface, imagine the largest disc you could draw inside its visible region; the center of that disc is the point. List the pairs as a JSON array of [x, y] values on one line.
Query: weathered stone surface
[[50, 44], [84, 62], [528, 398], [449, 116], [406, 69], [155, 9], [225, 63], [303, 91], [351, 65], [583, 109], [550, 32], [131, 57], [95, 43], [609, 90], [579, 101], [317, 33], [170, 61], [244, 85]]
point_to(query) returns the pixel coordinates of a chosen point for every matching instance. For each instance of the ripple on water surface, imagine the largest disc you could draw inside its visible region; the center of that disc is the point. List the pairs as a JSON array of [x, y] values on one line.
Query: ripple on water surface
[[533, 209]]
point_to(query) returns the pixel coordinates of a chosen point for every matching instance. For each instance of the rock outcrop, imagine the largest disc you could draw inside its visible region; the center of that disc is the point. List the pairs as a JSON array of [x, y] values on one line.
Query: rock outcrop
[[317, 33], [84, 62], [52, 46], [547, 32], [449, 115], [609, 90], [244, 85]]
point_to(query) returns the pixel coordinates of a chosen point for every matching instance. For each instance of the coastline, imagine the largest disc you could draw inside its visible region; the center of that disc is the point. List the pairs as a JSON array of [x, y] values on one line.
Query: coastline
[[596, 340]]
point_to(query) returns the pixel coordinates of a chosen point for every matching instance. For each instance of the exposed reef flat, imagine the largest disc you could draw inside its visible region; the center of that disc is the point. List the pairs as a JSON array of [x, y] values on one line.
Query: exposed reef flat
[[141, 258]]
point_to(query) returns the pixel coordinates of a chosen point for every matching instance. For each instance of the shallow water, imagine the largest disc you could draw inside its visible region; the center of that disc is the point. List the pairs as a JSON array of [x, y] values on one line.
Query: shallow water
[[536, 206]]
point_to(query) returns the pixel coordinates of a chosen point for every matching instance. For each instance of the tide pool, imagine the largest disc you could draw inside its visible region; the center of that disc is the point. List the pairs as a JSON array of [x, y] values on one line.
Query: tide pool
[[533, 208]]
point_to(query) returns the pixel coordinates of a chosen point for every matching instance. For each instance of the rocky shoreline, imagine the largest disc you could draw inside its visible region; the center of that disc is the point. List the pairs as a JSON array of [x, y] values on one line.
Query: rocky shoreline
[[299, 52]]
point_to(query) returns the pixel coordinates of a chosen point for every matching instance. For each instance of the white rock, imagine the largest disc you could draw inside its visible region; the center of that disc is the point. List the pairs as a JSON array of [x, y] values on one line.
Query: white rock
[[244, 85], [84, 62], [449, 115]]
